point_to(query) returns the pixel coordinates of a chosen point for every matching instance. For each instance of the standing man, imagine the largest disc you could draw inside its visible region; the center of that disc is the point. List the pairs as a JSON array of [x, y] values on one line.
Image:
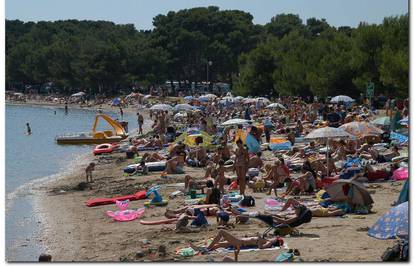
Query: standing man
[[140, 122], [29, 130], [121, 112]]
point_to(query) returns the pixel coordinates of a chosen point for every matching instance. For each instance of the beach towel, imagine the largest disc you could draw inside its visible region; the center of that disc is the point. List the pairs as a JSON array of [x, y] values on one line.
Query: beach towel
[[280, 146], [399, 138], [106, 201], [250, 248], [253, 145]]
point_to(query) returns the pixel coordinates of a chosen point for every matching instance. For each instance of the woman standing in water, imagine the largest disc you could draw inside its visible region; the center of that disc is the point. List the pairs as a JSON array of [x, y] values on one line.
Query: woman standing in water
[[240, 165]]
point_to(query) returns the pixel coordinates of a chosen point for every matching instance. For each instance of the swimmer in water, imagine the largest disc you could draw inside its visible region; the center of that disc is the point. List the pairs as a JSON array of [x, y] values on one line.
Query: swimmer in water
[[29, 130]]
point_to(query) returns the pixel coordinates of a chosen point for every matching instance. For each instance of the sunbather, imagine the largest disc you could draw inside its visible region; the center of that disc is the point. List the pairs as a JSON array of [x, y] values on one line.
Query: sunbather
[[224, 239]]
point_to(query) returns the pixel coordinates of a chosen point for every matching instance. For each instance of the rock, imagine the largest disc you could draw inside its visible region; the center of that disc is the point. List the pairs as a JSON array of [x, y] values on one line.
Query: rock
[[139, 254]]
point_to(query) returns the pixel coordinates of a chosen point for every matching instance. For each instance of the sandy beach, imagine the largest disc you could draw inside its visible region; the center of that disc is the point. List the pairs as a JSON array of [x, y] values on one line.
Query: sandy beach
[[75, 232]]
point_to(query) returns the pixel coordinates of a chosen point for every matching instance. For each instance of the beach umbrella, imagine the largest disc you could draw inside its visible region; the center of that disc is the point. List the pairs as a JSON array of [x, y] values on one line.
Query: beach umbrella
[[384, 121], [249, 100], [276, 106], [392, 224], [263, 99], [162, 107], [183, 107], [239, 98], [328, 133], [349, 190], [189, 97], [403, 121], [78, 94], [235, 122], [341, 98], [361, 129]]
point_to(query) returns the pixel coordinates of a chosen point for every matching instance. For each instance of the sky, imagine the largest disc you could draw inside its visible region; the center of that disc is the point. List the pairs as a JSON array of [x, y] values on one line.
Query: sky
[[141, 12]]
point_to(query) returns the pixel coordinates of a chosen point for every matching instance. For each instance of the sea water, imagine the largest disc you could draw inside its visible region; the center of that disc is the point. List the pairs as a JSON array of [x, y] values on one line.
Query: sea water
[[31, 159]]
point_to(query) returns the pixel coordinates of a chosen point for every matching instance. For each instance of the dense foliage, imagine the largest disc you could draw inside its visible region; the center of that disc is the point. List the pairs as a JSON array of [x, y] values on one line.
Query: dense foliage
[[286, 56]]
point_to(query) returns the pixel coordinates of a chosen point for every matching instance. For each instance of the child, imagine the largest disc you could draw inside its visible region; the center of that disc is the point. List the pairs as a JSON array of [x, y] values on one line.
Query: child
[[89, 170], [144, 168], [220, 177]]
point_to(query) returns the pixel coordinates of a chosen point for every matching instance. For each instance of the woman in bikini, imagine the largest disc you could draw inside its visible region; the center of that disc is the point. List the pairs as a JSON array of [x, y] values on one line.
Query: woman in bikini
[[224, 239], [240, 165]]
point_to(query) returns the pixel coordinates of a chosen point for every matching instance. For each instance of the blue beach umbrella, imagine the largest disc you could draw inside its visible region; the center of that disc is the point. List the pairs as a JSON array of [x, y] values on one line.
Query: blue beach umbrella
[[189, 97], [392, 224]]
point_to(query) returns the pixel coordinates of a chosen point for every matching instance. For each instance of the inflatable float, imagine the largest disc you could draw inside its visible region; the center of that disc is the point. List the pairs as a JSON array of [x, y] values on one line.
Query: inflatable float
[[105, 201], [126, 215], [157, 199], [152, 167], [104, 149]]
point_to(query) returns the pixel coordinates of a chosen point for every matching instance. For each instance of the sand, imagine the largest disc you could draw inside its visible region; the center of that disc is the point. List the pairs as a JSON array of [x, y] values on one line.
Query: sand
[[75, 232]]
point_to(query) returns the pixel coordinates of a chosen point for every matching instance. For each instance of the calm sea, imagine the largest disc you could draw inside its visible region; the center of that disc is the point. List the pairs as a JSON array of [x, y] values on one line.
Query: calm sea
[[33, 158]]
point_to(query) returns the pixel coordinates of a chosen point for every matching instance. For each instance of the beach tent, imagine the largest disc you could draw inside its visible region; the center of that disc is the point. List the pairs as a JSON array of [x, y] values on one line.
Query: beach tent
[[392, 224], [349, 190]]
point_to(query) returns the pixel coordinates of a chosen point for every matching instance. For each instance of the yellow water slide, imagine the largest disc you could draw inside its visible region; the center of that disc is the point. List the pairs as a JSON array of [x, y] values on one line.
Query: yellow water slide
[[118, 129]]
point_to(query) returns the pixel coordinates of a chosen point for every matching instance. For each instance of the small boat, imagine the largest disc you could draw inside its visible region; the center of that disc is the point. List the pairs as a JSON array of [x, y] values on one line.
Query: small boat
[[96, 137]]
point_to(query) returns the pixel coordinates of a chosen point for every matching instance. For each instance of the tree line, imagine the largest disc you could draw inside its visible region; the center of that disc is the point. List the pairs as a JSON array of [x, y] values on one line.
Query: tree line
[[283, 57]]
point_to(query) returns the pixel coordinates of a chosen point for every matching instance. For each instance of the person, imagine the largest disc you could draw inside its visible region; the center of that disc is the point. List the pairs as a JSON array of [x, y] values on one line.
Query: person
[[29, 130], [273, 177], [291, 136], [240, 165], [152, 157], [141, 168], [224, 239], [267, 128], [88, 171], [317, 211], [175, 165], [255, 161], [121, 112], [333, 118], [220, 177], [140, 123], [191, 183], [66, 107], [307, 182]]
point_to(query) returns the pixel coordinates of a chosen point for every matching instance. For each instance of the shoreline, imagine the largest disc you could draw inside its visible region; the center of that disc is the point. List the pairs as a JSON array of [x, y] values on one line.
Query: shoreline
[[35, 191]]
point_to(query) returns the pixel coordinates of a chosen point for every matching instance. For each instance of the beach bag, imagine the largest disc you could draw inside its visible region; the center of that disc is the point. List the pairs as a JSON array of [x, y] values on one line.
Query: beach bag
[[248, 201], [391, 254]]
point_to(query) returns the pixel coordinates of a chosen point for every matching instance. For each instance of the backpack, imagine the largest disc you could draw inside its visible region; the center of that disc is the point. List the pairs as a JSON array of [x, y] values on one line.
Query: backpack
[[248, 201]]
